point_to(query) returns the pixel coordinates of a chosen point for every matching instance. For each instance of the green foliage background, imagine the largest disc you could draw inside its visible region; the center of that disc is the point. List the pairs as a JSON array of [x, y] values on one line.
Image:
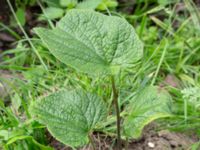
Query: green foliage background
[[171, 33]]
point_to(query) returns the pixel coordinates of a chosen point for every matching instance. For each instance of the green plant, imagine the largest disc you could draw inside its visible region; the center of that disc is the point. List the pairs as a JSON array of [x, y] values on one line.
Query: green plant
[[17, 134], [57, 8], [96, 45]]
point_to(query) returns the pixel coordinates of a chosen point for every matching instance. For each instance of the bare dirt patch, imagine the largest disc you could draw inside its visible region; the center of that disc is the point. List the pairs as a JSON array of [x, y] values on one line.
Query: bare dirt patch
[[151, 140]]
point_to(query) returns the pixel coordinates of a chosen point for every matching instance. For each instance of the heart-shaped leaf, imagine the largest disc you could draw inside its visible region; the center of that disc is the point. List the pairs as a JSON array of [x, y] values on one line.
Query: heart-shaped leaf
[[151, 103], [70, 115], [92, 42]]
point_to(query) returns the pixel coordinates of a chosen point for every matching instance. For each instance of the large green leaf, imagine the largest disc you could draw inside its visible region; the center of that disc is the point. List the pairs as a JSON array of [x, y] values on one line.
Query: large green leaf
[[151, 103], [92, 42], [69, 115]]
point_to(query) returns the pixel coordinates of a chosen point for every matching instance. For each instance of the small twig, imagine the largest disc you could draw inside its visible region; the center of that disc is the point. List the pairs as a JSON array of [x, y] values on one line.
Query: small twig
[[92, 142]]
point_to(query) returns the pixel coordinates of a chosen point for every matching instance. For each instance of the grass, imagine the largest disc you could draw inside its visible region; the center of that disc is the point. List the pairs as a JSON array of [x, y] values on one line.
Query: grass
[[171, 40]]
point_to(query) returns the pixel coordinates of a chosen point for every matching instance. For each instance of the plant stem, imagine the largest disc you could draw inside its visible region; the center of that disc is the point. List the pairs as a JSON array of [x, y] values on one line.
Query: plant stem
[[115, 100], [92, 141], [126, 145]]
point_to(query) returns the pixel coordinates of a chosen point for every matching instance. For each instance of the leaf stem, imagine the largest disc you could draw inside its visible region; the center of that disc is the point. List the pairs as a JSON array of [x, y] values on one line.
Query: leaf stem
[[92, 141], [115, 100]]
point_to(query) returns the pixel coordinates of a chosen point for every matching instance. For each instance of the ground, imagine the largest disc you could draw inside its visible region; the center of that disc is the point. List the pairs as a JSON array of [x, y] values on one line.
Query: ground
[[151, 140]]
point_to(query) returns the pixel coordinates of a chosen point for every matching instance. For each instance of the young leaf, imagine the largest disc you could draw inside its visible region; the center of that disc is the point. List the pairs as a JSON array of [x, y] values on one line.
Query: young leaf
[[105, 4], [88, 4], [70, 115], [150, 104], [20, 13], [92, 42], [52, 3], [52, 13], [67, 3]]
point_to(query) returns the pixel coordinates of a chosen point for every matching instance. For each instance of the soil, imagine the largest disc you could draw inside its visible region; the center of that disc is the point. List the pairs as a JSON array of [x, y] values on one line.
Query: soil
[[163, 140], [197, 2], [150, 140], [4, 11]]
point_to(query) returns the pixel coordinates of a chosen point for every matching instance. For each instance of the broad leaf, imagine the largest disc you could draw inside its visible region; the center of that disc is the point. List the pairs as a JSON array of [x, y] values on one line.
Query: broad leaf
[[92, 42], [151, 103], [69, 115]]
